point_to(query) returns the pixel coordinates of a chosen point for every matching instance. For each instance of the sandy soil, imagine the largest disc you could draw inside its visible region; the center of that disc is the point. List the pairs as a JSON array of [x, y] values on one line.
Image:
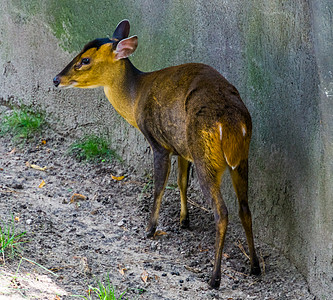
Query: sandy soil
[[84, 239]]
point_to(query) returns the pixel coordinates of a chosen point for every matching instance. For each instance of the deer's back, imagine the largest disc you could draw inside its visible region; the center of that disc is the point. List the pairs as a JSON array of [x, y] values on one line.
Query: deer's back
[[171, 99]]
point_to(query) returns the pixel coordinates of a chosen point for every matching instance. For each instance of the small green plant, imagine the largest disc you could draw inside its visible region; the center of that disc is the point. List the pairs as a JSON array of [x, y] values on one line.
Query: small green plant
[[22, 123], [10, 240], [104, 291], [171, 186], [93, 148]]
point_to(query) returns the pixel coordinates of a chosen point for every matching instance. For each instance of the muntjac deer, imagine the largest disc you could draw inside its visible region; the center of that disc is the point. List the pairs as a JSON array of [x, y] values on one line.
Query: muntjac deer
[[190, 111]]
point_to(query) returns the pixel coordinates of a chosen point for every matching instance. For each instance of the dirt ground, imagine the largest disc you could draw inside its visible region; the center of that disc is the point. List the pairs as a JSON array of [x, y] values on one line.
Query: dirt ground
[[87, 238]]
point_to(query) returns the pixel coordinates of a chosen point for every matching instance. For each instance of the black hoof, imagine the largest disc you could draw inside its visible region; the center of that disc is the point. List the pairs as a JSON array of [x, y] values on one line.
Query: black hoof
[[151, 232], [184, 224], [255, 270], [215, 283]]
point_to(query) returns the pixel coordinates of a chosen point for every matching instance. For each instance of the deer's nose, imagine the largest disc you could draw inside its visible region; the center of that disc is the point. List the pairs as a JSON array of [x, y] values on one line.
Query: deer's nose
[[56, 80]]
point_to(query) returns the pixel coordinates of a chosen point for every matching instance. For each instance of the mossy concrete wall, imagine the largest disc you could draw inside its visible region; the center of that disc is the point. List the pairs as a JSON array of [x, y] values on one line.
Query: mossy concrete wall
[[278, 53]]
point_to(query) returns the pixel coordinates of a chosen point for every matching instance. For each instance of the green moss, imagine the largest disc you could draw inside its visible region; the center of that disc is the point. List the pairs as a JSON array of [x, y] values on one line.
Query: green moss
[[259, 80], [31, 7], [76, 22]]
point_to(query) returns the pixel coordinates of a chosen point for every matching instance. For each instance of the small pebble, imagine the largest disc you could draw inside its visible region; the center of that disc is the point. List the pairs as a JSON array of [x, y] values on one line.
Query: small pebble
[[17, 185], [29, 221], [153, 246], [121, 223], [158, 268]]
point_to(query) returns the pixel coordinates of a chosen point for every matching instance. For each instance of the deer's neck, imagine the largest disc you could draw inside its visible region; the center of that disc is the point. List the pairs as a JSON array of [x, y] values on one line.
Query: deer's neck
[[121, 90]]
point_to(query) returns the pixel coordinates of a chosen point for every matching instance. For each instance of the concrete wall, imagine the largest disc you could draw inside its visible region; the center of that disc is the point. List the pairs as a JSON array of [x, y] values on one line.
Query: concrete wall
[[278, 53]]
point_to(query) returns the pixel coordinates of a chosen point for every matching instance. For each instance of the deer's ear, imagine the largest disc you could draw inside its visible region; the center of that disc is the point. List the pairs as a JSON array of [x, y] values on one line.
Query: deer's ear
[[126, 47], [122, 30]]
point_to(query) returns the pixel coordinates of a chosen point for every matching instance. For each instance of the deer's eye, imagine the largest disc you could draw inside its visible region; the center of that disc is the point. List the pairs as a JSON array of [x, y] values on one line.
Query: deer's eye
[[85, 61]]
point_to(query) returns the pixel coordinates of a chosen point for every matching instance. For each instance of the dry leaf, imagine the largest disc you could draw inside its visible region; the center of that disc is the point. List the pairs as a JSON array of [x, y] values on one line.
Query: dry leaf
[[144, 276], [122, 270], [36, 167], [13, 151], [42, 184], [85, 268], [159, 233], [202, 250], [77, 197], [1, 169], [89, 291], [117, 178]]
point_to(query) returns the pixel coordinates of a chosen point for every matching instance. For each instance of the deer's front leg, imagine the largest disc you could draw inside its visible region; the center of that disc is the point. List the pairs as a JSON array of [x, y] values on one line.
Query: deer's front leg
[[161, 174]]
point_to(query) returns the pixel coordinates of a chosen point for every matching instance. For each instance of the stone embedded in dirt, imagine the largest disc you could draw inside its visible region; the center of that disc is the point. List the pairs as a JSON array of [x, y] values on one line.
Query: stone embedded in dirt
[[121, 223], [153, 246], [15, 184], [158, 268]]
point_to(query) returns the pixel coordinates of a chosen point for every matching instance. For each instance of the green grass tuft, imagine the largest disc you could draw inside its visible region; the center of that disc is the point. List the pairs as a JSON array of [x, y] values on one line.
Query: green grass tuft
[[22, 123], [10, 241], [94, 149], [104, 291]]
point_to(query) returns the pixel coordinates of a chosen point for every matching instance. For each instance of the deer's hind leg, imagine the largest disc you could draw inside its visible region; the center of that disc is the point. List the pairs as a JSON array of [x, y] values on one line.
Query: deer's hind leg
[[183, 175], [210, 165], [239, 177], [209, 175]]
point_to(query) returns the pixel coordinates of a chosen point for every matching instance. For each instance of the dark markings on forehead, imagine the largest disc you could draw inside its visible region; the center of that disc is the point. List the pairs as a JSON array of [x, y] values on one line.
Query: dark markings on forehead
[[97, 43], [93, 44]]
